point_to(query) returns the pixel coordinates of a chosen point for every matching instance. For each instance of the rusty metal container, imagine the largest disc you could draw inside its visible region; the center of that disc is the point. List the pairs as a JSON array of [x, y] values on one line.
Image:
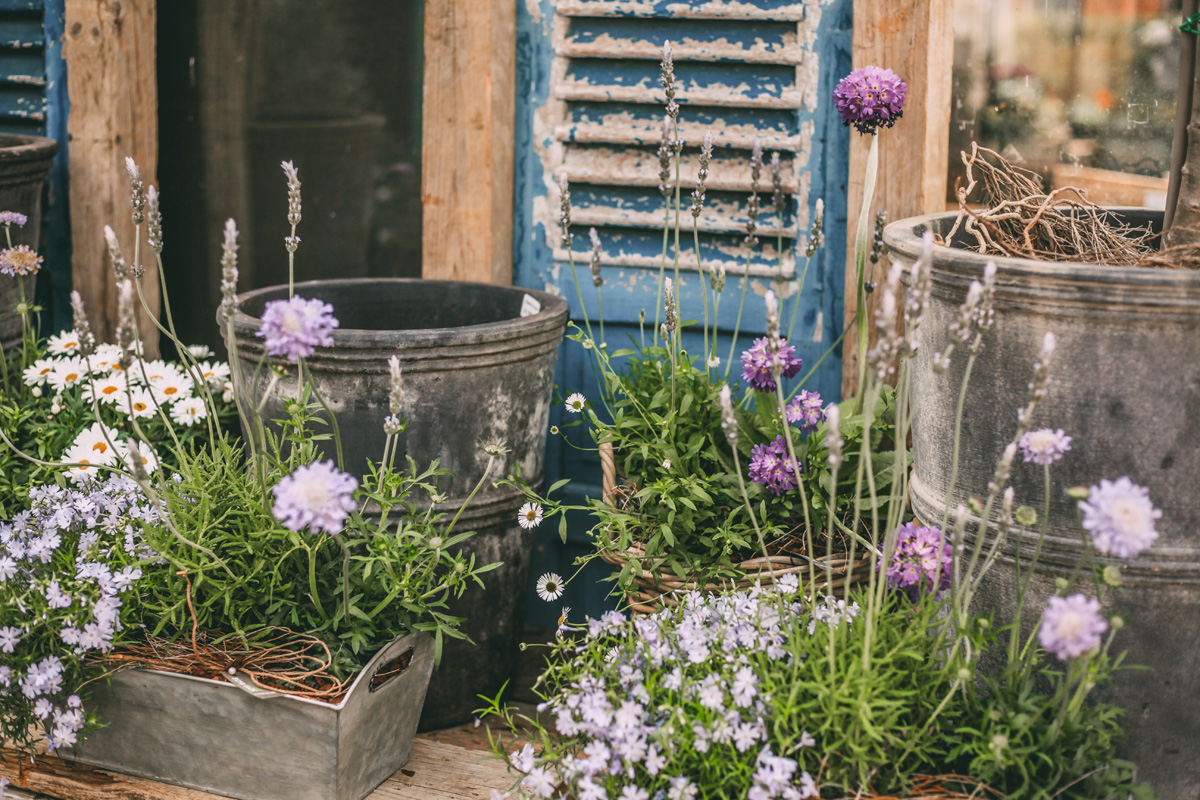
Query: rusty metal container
[[478, 363], [1125, 383], [215, 737], [24, 165]]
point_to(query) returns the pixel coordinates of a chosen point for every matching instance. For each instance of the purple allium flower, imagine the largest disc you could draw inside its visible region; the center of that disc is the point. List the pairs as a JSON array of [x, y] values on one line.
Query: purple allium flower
[[870, 98], [13, 218], [1120, 517], [757, 362], [771, 466], [317, 496], [916, 567], [295, 328], [1071, 626], [1044, 446], [806, 409], [19, 261]]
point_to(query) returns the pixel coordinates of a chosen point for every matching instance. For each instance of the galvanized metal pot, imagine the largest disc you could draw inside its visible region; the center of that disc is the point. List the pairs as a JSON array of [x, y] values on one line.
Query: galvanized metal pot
[[1126, 385], [478, 364], [24, 164], [213, 736]]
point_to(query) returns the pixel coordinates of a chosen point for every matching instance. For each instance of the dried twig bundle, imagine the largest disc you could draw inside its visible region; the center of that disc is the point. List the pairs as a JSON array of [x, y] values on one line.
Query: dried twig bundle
[[1018, 219]]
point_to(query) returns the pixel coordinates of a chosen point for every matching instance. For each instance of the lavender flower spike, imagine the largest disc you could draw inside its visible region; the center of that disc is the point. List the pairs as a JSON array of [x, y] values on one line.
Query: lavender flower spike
[[833, 435], [294, 328], [317, 497], [87, 341], [564, 215], [870, 98], [702, 175], [597, 279], [396, 386], [229, 269], [137, 197], [728, 418], [114, 252], [154, 218], [293, 184], [668, 80]]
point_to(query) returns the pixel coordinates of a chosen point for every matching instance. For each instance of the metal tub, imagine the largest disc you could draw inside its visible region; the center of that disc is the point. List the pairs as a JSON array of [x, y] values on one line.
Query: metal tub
[[213, 736]]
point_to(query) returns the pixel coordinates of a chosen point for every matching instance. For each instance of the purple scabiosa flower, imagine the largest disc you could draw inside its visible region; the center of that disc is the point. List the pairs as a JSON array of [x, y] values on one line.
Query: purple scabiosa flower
[[294, 328], [870, 98], [805, 409], [771, 466], [1120, 517], [316, 496], [9, 218], [1044, 446], [19, 261], [1071, 626], [757, 362], [922, 561]]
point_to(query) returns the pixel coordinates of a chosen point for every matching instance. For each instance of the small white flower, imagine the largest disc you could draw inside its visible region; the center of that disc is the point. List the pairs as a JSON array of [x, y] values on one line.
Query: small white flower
[[576, 403], [666, 463], [612, 655], [200, 350], [550, 586], [67, 372], [171, 387], [227, 395], [109, 389], [530, 515], [36, 391], [39, 371], [138, 403], [62, 344], [214, 372], [714, 362], [189, 411]]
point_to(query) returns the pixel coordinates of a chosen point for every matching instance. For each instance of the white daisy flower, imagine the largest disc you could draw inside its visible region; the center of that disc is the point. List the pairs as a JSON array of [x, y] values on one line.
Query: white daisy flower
[[63, 344], [93, 446], [153, 372], [530, 515], [108, 389], [39, 371], [200, 350], [214, 372], [576, 403], [145, 453], [550, 587], [189, 411], [106, 357], [85, 461], [67, 373], [227, 395], [171, 387], [139, 403]]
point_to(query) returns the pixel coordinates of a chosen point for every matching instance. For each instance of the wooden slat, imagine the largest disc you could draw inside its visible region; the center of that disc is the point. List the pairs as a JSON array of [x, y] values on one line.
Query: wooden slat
[[641, 132], [777, 10], [915, 38], [435, 772], [109, 49], [632, 167], [571, 89], [467, 157]]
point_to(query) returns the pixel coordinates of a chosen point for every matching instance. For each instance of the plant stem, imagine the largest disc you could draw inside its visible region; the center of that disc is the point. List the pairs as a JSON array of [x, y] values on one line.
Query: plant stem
[[860, 260]]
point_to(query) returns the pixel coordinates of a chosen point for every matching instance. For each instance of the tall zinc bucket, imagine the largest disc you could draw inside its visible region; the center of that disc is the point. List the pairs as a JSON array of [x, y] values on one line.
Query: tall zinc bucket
[[1125, 383], [475, 370], [24, 164]]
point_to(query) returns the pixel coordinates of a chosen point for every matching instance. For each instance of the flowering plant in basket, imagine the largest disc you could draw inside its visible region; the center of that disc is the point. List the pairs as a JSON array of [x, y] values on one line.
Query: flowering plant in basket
[[891, 686], [672, 512], [220, 548]]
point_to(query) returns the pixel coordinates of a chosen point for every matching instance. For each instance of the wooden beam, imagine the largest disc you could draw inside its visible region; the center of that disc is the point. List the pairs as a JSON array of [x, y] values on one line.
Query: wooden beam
[[109, 48], [467, 154], [915, 38]]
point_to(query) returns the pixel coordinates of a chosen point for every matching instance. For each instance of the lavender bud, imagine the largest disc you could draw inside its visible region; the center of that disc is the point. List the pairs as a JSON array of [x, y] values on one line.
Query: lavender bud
[[919, 292], [114, 253], [961, 328], [717, 278], [833, 435], [293, 184], [135, 461], [396, 384], [127, 338], [752, 203], [229, 269], [154, 216], [877, 241], [777, 185], [672, 312], [816, 237], [702, 174], [291, 243], [888, 342], [136, 191], [728, 418], [597, 280], [1003, 469], [87, 342], [668, 80], [564, 216], [665, 149]]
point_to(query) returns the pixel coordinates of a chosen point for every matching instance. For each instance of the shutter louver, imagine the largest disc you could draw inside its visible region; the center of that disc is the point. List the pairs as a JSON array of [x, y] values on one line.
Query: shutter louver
[[744, 70], [22, 67]]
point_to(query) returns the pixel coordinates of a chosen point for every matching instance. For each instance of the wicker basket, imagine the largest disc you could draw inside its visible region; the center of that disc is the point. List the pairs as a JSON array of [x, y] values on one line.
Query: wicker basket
[[660, 588]]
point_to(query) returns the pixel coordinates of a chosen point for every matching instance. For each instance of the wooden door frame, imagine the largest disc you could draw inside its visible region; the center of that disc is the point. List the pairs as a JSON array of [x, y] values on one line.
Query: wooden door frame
[[916, 39]]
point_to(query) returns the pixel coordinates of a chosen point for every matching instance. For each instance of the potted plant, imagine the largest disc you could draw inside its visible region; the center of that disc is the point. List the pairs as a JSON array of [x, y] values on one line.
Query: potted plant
[[253, 599], [478, 363]]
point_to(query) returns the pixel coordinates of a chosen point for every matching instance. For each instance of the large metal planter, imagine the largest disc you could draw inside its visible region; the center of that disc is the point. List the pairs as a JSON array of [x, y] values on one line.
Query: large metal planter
[[24, 164], [213, 736], [478, 363], [1126, 386]]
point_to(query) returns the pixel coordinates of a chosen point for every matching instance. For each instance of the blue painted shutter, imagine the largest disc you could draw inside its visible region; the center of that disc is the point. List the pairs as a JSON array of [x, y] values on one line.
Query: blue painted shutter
[[22, 67], [745, 71]]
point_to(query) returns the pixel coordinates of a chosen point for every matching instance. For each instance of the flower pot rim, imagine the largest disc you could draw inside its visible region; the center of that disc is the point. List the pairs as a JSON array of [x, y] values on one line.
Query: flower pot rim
[[553, 313], [905, 238], [26, 147]]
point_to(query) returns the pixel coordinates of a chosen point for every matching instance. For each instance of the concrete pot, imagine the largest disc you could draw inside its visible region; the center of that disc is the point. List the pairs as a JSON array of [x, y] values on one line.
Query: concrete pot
[[1126, 385], [475, 369], [24, 165], [213, 736]]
